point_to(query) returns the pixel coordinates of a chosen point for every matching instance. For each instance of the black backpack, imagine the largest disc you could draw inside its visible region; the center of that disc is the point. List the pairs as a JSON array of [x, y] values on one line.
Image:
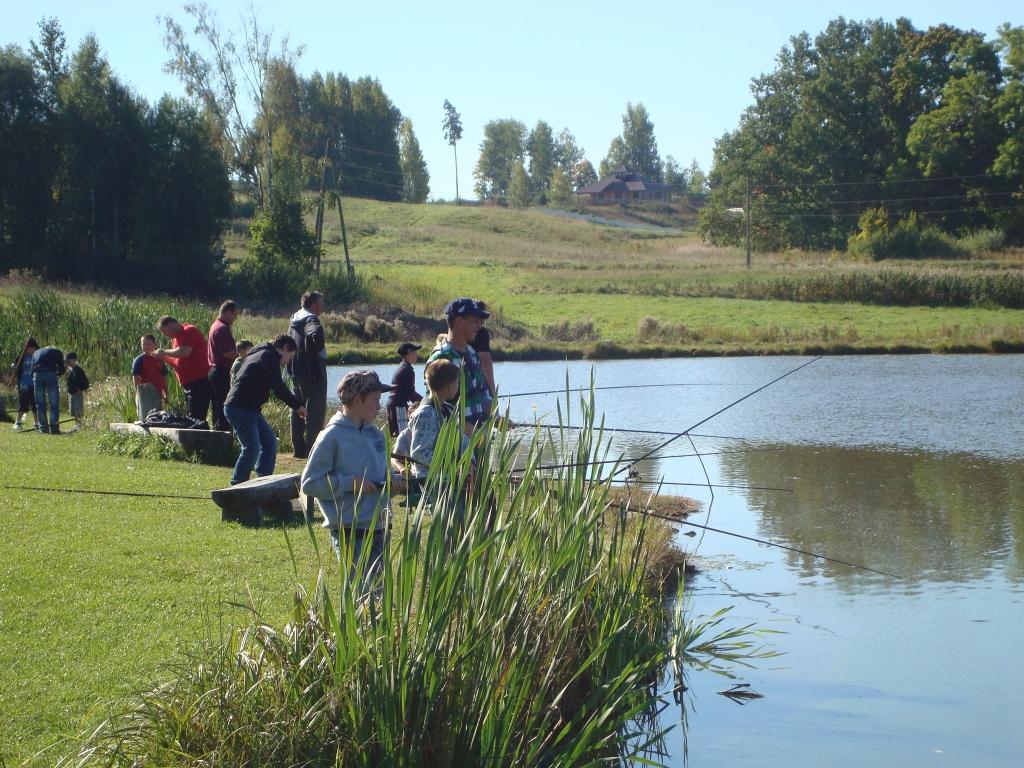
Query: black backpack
[[171, 419]]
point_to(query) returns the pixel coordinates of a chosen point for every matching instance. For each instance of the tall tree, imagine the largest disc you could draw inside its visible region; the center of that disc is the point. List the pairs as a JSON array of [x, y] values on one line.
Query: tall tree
[[636, 148], [503, 147], [520, 193], [568, 154], [230, 80], [583, 173], [541, 147], [415, 179], [618, 154], [452, 126], [560, 192], [677, 178]]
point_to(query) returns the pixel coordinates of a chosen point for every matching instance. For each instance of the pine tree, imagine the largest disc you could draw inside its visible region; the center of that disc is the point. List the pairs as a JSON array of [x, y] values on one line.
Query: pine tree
[[415, 179]]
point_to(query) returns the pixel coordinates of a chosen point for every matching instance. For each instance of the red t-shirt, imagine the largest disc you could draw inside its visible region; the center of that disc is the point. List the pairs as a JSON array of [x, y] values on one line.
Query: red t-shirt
[[151, 371], [221, 341], [195, 366]]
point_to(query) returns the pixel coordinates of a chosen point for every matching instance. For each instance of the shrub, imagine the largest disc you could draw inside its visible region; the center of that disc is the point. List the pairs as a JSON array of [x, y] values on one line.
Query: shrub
[[647, 328], [566, 330], [905, 240], [983, 241]]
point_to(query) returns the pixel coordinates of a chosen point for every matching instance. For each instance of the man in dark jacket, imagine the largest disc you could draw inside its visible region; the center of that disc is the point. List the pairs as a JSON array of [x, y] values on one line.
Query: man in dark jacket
[[309, 372], [259, 375], [47, 365]]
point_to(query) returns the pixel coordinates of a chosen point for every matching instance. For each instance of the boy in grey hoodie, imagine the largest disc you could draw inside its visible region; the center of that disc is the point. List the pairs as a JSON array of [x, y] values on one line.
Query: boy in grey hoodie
[[347, 474]]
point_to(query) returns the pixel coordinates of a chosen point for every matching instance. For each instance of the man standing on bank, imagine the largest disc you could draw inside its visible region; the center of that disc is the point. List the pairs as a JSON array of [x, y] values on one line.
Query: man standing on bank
[[189, 360], [221, 353], [403, 390], [259, 375], [309, 372]]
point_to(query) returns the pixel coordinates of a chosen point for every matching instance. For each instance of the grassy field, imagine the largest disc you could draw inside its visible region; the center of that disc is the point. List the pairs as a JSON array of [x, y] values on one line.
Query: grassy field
[[97, 591], [540, 272]]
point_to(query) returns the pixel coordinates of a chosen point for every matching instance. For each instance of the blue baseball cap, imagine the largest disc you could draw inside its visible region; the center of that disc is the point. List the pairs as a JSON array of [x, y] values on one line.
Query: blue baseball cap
[[465, 307]]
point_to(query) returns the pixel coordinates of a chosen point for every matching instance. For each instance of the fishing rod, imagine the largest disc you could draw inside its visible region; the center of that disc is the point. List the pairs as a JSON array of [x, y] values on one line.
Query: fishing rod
[[631, 431], [619, 386], [761, 541], [687, 432], [628, 461], [103, 493], [36, 428], [12, 374]]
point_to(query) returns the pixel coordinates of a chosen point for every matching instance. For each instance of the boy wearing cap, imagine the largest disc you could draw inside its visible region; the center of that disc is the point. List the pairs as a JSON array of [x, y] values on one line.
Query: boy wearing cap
[[465, 318], [403, 390], [347, 474]]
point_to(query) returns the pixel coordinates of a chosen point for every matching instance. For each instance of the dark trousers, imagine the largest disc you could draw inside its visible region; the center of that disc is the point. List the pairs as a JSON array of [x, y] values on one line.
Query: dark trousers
[[197, 394], [314, 396], [220, 383]]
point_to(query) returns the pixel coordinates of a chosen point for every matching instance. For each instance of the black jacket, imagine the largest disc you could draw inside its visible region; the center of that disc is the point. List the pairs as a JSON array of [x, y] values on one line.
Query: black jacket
[[404, 382], [260, 375], [77, 381], [48, 359], [308, 364]]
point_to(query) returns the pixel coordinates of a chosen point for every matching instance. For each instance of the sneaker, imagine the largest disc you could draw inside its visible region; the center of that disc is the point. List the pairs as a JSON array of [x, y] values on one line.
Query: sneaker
[[74, 429], [17, 426]]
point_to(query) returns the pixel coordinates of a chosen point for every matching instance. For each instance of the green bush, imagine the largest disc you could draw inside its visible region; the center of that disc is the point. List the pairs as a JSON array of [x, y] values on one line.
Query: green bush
[[905, 240], [983, 241]]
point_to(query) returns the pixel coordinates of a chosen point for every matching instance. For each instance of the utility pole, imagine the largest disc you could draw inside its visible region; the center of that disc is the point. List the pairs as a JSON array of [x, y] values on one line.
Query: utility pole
[[746, 210], [319, 226]]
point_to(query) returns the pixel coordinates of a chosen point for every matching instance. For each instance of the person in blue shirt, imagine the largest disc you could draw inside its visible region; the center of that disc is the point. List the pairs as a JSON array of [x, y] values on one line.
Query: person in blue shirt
[[22, 370], [47, 366]]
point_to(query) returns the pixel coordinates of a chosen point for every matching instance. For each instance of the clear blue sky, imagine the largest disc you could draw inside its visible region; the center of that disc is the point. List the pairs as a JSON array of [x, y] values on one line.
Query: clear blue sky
[[573, 64]]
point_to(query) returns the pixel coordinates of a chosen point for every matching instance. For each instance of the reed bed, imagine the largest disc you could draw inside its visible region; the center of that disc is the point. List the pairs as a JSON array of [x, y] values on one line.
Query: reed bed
[[513, 624]]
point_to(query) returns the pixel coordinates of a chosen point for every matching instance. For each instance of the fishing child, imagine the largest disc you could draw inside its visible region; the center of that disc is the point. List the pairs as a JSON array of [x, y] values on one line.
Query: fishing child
[[442, 377], [242, 348], [22, 372], [347, 474], [77, 383]]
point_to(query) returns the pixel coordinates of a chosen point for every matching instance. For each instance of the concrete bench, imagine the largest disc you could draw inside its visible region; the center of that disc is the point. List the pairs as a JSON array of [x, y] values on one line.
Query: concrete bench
[[251, 501], [189, 439]]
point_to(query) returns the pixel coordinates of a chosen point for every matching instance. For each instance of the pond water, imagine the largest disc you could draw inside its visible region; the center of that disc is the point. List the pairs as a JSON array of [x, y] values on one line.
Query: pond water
[[912, 465]]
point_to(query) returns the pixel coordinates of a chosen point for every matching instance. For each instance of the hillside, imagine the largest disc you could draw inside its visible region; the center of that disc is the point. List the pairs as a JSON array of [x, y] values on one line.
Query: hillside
[[563, 285]]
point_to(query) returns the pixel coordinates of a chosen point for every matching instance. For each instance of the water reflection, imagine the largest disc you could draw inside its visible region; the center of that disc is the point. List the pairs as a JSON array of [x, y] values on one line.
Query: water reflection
[[935, 517]]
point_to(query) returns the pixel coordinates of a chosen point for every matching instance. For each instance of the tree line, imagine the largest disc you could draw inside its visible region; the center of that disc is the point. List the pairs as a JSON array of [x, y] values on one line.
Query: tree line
[[876, 130], [535, 167]]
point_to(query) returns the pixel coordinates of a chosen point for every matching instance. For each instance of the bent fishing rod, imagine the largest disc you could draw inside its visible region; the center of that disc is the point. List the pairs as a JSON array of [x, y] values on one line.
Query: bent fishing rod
[[756, 540], [621, 429], [688, 432]]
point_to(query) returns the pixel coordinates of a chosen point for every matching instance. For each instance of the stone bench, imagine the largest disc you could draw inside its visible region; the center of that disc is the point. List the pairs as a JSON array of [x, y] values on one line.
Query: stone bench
[[190, 439], [251, 501]]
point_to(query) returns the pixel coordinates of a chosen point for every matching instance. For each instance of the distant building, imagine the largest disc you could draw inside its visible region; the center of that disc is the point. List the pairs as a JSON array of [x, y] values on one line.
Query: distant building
[[623, 186]]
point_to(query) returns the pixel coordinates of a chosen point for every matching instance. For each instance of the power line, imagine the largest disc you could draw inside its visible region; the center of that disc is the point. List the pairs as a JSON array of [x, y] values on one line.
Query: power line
[[371, 168], [877, 200], [885, 181], [861, 213]]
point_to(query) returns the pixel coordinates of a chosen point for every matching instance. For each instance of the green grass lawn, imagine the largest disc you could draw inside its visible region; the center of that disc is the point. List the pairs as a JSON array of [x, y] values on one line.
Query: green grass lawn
[[97, 591]]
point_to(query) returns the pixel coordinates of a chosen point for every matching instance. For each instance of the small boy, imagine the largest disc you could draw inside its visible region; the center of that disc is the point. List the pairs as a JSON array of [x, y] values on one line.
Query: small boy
[[425, 423], [242, 348], [150, 377], [77, 383]]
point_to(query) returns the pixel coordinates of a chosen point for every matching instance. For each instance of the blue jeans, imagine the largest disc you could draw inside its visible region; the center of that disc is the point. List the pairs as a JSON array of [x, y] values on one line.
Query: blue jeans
[[46, 387], [359, 539], [259, 443]]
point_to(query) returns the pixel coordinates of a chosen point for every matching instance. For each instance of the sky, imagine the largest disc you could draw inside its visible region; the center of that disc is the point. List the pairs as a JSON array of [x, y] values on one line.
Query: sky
[[572, 64]]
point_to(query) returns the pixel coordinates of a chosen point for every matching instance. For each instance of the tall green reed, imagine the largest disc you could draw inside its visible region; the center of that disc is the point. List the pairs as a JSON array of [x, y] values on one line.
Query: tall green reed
[[513, 625]]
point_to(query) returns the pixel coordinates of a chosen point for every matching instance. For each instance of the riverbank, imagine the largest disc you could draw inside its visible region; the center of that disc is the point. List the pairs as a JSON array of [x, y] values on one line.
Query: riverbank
[[103, 591]]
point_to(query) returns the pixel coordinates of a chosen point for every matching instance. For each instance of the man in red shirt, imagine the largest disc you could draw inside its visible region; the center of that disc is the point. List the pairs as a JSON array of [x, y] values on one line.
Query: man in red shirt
[[220, 354], [189, 360]]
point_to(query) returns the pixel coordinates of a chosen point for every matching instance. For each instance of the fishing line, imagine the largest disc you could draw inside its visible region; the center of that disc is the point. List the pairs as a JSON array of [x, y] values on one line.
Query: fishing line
[[628, 461], [620, 386], [629, 431], [722, 410], [763, 541], [103, 493], [635, 481], [710, 490]]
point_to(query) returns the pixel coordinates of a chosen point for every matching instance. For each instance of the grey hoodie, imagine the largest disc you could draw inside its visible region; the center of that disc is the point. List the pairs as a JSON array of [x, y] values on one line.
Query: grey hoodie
[[342, 453]]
